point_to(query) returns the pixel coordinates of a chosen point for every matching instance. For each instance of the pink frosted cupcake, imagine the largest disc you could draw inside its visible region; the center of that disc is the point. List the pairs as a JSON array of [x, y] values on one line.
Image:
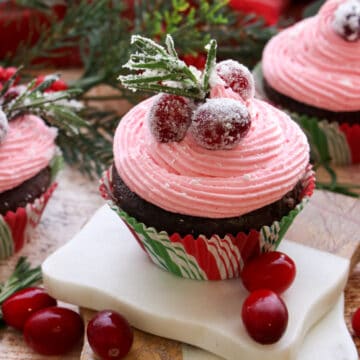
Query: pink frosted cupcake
[[312, 69], [208, 177], [28, 163], [29, 157]]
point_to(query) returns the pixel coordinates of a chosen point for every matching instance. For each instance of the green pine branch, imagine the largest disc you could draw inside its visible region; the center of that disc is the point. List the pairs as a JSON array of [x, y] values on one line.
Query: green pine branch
[[103, 37], [23, 276], [91, 150], [161, 70], [51, 106]]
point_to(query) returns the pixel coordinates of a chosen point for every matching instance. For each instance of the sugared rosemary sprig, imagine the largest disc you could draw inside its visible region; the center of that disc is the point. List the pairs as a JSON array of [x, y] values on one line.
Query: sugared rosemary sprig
[[159, 69], [23, 276], [49, 105]]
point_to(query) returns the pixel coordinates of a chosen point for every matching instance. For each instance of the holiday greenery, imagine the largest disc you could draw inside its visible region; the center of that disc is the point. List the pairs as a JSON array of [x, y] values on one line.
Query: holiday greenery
[[99, 32], [23, 276], [161, 70], [34, 99]]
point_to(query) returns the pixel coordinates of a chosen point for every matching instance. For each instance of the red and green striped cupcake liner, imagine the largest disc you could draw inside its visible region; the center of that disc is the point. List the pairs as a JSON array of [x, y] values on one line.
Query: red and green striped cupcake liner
[[202, 258], [16, 227]]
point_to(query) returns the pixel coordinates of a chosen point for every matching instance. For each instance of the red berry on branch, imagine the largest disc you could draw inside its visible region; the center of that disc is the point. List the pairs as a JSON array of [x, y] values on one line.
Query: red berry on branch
[[265, 316], [21, 305], [110, 335], [169, 117], [237, 77], [272, 270], [220, 123]]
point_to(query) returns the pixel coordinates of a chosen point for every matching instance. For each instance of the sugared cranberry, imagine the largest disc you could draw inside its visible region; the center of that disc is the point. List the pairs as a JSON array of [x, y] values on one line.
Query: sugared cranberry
[[272, 270], [237, 77], [21, 305], [347, 20], [110, 335], [265, 316], [169, 117], [220, 123], [355, 322], [53, 330]]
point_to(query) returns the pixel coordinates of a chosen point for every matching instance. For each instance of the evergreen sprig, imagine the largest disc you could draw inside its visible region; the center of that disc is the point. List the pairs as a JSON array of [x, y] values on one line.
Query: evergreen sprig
[[161, 70], [91, 150], [49, 105], [23, 276], [101, 31]]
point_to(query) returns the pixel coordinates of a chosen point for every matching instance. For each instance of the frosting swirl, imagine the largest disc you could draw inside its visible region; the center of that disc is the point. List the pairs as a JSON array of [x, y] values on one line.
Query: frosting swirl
[[27, 149], [185, 178], [311, 63]]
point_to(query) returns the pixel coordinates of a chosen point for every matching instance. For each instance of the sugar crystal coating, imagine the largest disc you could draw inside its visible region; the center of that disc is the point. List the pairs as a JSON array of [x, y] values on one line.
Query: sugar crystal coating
[[347, 20], [220, 124], [237, 77], [169, 117]]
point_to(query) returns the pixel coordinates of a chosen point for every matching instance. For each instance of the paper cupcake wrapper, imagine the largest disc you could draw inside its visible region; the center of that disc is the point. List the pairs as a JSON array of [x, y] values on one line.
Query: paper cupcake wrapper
[[16, 226], [339, 143], [202, 258]]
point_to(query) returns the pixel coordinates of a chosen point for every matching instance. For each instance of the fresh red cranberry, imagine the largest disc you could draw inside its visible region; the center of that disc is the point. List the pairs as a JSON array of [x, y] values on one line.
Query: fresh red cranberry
[[237, 77], [169, 117], [272, 270], [110, 335], [355, 322], [220, 123], [53, 331], [21, 305], [265, 316]]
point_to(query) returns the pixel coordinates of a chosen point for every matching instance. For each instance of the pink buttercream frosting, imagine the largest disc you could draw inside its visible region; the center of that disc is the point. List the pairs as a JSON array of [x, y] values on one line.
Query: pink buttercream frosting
[[311, 63], [185, 178], [27, 149]]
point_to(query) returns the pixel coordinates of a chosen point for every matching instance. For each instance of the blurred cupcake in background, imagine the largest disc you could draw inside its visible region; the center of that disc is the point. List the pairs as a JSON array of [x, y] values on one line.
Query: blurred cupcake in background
[[29, 156], [312, 70]]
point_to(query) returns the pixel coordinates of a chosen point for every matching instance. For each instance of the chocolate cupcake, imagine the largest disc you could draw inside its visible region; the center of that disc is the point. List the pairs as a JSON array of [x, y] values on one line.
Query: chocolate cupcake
[[28, 164], [312, 69], [203, 200]]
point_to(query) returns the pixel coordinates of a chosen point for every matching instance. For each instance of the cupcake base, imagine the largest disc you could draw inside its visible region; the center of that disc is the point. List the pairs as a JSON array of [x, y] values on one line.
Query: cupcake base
[[203, 257], [349, 117], [26, 192], [16, 225], [335, 141], [148, 213]]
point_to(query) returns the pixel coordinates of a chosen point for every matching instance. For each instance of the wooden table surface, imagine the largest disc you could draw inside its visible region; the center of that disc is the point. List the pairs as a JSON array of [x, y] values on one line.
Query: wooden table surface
[[73, 203]]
